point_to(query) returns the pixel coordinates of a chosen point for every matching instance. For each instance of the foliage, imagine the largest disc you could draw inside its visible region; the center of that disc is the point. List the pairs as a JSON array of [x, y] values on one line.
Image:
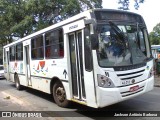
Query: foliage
[[19, 18], [13, 20], [155, 35], [125, 4]]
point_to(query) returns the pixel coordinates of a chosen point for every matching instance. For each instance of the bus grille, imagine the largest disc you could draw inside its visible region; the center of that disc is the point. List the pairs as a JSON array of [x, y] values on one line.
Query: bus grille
[[131, 75]]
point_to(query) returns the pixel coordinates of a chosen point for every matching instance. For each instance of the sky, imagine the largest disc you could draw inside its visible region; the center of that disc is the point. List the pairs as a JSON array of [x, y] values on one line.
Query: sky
[[150, 10]]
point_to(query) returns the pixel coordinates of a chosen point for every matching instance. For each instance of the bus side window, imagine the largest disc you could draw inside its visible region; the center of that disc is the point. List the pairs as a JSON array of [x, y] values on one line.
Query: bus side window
[[142, 42], [87, 49], [48, 52], [61, 50], [37, 47], [12, 53], [54, 44], [19, 51]]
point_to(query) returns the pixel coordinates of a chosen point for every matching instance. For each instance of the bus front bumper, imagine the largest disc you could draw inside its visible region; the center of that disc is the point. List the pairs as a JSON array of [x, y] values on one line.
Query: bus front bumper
[[108, 96]]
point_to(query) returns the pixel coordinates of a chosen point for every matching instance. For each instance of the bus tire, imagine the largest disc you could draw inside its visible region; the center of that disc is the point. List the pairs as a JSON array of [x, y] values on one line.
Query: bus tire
[[17, 83], [59, 95]]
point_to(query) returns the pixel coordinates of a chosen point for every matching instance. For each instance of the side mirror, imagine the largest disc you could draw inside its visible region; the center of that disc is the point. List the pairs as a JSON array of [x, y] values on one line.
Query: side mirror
[[94, 42]]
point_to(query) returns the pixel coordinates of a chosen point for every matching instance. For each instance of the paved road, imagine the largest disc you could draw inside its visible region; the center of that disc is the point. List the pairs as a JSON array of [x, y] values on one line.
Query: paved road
[[32, 100]]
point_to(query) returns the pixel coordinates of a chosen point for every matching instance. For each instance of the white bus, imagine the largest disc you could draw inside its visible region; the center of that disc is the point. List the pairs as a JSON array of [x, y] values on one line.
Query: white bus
[[96, 58]]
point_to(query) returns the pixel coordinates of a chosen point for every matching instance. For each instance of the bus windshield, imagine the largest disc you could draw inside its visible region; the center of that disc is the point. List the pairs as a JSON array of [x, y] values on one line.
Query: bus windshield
[[121, 45]]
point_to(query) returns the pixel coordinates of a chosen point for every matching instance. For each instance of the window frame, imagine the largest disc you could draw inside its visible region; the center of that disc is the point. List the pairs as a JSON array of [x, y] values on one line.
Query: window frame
[[19, 51], [11, 59], [88, 49], [57, 42], [41, 46]]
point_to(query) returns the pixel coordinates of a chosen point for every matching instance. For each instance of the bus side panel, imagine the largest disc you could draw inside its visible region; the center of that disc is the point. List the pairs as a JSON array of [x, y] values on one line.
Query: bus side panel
[[41, 84], [42, 71], [17, 67], [12, 70], [39, 75], [22, 79], [90, 89]]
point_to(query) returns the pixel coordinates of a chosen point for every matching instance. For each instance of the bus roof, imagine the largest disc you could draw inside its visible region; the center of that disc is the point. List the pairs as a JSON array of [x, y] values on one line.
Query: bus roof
[[82, 15], [114, 10], [79, 16]]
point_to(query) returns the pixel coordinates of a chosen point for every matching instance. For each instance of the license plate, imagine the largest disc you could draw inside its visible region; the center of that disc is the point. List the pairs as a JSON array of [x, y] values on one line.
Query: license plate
[[134, 88]]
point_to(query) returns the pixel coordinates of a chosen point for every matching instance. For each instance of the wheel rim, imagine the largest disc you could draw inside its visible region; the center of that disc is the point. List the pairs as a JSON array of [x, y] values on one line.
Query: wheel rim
[[60, 94]]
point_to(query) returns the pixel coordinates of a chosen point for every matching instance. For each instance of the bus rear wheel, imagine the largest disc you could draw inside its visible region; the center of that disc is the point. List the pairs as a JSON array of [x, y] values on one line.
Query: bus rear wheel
[[16, 79], [59, 95]]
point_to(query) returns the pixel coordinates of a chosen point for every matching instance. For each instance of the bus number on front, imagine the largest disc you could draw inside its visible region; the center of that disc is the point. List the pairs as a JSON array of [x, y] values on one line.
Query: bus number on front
[[126, 82]]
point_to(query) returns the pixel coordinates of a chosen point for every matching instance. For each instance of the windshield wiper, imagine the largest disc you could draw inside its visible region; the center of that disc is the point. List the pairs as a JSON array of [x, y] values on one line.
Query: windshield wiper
[[117, 31]]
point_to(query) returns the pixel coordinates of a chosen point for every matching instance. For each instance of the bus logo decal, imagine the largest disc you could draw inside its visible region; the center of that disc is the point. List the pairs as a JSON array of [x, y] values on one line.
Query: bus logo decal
[[40, 68]]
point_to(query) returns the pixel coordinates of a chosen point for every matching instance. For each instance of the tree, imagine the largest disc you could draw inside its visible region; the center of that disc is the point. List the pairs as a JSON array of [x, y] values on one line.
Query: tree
[[125, 4], [19, 18], [155, 35], [14, 20]]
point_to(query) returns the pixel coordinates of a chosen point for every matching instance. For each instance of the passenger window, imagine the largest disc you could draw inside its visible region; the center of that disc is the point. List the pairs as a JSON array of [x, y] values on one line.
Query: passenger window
[[12, 53], [87, 49], [19, 51], [54, 44], [37, 47]]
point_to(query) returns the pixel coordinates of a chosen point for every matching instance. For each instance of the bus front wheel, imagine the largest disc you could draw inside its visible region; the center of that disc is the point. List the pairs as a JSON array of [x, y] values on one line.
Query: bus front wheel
[[59, 95], [16, 79]]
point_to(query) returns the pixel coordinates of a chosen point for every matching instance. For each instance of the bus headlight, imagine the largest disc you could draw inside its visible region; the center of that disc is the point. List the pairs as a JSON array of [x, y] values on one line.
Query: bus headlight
[[104, 81], [151, 73]]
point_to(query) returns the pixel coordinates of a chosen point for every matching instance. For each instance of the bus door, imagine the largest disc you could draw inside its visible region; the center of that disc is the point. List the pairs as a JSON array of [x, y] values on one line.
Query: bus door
[[27, 64], [7, 63], [81, 78], [76, 58]]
